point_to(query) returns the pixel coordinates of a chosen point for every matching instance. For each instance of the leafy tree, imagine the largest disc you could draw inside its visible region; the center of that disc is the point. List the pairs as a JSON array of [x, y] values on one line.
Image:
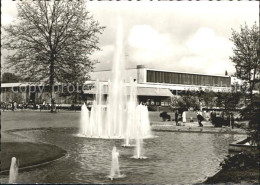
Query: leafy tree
[[246, 55], [10, 78], [52, 41], [186, 100], [252, 112], [208, 97], [228, 100]]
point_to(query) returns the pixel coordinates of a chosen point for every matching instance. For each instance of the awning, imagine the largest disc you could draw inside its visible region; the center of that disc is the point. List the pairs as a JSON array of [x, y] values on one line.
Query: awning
[[141, 91], [149, 91]]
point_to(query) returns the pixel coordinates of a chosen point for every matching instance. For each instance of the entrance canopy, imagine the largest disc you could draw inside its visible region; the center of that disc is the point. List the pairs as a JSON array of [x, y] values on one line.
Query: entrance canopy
[[150, 91]]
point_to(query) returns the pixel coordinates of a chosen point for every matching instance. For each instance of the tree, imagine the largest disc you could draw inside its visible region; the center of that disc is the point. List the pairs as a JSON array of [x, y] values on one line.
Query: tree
[[228, 100], [10, 78], [52, 41], [252, 112], [186, 100], [208, 97], [246, 55]]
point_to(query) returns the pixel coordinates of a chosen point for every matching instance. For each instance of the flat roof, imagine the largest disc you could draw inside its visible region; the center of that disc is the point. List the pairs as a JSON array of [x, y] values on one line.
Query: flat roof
[[110, 70], [151, 69], [15, 84], [24, 84]]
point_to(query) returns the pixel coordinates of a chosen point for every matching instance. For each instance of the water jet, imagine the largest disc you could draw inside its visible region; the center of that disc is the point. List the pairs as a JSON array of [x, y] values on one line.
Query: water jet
[[13, 173], [119, 116]]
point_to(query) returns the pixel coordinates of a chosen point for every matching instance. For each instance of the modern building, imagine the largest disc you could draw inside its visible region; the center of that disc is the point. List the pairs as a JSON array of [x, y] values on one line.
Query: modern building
[[156, 87], [171, 80]]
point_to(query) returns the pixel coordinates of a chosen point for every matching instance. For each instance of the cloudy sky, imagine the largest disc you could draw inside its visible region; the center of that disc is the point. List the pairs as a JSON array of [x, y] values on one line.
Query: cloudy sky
[[172, 35]]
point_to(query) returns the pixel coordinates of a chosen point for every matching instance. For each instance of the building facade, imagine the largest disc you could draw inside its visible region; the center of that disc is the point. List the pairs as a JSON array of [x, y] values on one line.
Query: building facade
[[154, 85], [171, 80]]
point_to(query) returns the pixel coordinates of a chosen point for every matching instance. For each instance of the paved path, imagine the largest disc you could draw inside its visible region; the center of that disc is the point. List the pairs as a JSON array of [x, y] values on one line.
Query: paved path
[[35, 119], [193, 127]]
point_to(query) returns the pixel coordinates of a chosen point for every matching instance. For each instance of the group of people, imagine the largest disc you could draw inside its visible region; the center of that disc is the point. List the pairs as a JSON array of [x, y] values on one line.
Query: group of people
[[13, 105], [222, 118], [218, 118], [183, 116], [177, 115]]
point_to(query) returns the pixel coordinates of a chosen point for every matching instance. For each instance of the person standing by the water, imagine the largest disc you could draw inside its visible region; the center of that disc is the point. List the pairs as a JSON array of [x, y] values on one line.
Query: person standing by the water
[[43, 104], [200, 118], [184, 117], [15, 105], [12, 105], [176, 117]]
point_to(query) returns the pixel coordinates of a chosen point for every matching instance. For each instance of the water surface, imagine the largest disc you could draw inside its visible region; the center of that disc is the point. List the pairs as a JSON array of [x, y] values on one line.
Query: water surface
[[172, 158]]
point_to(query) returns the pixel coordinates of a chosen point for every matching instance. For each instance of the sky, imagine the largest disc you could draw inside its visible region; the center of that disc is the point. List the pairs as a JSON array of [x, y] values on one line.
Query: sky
[[185, 36]]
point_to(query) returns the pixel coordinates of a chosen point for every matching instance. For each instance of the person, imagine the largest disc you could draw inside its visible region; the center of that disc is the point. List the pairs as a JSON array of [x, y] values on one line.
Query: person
[[200, 118], [15, 105], [232, 120], [176, 117], [184, 117], [3, 105], [228, 115], [53, 104], [12, 105], [43, 104]]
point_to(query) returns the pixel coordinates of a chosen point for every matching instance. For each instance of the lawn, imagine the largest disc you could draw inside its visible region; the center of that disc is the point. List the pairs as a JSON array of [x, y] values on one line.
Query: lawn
[[28, 154]]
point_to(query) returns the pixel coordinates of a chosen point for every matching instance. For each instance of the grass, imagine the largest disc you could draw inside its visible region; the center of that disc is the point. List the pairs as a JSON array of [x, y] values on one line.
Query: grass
[[28, 154]]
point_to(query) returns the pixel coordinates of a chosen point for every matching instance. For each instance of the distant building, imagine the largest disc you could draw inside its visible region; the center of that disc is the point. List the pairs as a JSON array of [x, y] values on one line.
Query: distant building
[[156, 87], [171, 80]]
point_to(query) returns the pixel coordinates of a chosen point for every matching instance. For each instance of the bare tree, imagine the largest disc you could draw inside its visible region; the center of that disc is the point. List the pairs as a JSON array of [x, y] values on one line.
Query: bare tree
[[246, 55], [52, 41]]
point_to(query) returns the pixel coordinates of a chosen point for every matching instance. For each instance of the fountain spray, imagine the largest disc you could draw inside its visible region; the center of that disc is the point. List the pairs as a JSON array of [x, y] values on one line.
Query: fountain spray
[[13, 173]]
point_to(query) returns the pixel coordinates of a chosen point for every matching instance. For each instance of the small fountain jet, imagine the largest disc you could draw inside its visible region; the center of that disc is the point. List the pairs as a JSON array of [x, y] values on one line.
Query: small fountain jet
[[139, 149], [13, 173], [115, 172]]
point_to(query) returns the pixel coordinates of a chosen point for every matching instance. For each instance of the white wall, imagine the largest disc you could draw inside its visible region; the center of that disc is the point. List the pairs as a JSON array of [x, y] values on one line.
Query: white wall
[[106, 75]]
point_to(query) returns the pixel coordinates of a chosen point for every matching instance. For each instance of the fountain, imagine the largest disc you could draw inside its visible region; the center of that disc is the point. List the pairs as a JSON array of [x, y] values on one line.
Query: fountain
[[142, 127], [119, 116], [139, 149], [115, 172], [84, 118], [13, 173]]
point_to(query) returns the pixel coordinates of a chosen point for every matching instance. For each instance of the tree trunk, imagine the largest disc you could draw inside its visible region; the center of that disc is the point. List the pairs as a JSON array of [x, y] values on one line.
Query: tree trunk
[[251, 92], [51, 81]]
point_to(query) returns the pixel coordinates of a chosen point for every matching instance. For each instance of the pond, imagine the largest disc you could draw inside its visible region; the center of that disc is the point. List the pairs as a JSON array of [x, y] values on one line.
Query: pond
[[171, 158]]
